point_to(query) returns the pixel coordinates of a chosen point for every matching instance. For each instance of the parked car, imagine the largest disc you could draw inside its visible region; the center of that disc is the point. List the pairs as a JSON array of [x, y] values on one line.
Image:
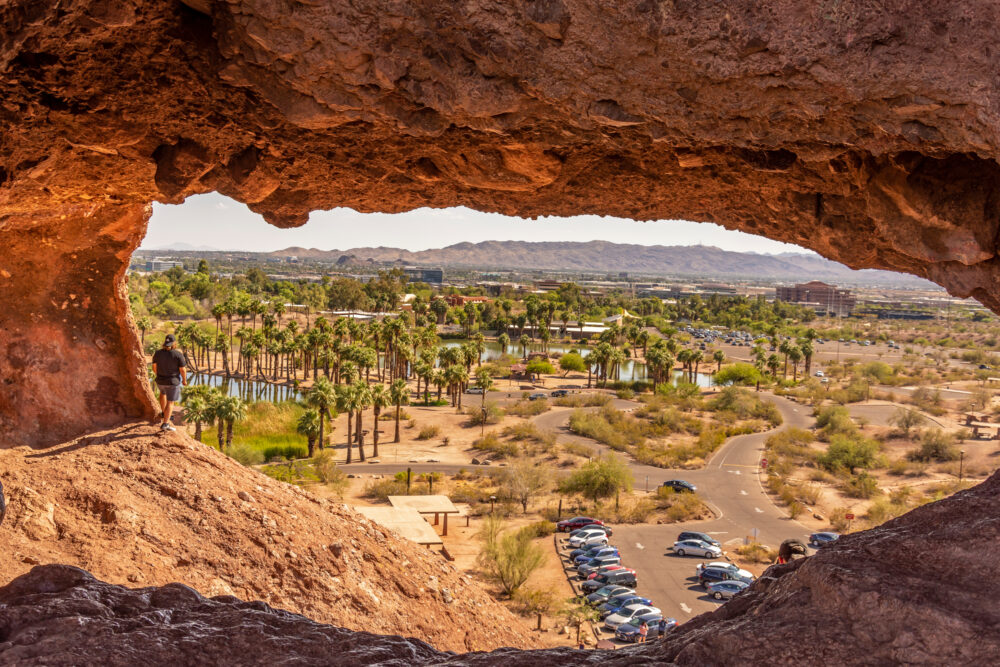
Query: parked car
[[680, 486], [608, 568], [618, 577], [566, 525], [474, 390], [696, 548], [627, 632], [626, 614], [595, 564], [599, 552], [818, 540], [589, 526], [538, 396], [819, 374], [602, 594], [589, 552], [711, 575], [589, 538], [723, 590], [616, 602], [559, 392], [694, 535]]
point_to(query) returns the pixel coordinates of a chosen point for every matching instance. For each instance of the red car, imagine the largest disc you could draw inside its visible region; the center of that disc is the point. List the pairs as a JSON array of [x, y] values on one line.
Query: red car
[[567, 525]]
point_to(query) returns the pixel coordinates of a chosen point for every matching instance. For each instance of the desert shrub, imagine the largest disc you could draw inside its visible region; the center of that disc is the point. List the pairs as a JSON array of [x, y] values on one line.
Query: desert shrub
[[579, 449], [908, 468], [795, 508], [477, 416], [522, 431], [498, 448], [327, 470], [838, 519], [834, 420], [391, 415], [285, 452], [755, 552], [464, 492], [429, 431], [381, 489], [849, 454], [681, 506], [861, 485], [935, 445], [293, 472], [588, 400], [528, 601], [528, 408], [809, 493], [245, 454], [508, 558], [541, 528], [625, 393], [745, 405]]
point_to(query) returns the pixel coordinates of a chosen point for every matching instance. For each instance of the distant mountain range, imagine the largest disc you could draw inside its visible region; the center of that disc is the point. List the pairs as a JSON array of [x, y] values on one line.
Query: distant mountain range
[[605, 257]]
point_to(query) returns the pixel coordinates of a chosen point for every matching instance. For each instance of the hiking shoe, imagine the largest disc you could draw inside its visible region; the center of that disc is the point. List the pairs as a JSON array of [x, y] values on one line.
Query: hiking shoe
[[167, 427]]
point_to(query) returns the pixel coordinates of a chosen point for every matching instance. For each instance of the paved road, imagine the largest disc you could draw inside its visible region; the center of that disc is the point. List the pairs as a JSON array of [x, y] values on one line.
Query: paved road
[[731, 485]]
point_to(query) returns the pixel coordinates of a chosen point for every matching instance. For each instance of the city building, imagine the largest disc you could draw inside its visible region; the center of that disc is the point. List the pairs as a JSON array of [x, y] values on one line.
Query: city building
[[158, 265], [423, 275], [460, 300], [826, 298]]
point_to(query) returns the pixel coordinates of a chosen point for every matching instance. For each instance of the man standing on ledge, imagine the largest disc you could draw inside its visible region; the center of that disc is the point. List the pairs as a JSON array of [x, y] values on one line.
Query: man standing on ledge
[[168, 365]]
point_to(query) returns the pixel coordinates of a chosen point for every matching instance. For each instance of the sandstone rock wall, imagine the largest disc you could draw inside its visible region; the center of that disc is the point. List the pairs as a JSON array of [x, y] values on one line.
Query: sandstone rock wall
[[865, 130]]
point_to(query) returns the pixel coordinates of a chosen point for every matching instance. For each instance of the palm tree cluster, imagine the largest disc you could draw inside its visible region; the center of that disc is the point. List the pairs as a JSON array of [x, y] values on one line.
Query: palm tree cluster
[[793, 351], [207, 406]]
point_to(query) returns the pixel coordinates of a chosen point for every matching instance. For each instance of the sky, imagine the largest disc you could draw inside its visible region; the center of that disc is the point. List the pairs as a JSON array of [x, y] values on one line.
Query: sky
[[221, 223]]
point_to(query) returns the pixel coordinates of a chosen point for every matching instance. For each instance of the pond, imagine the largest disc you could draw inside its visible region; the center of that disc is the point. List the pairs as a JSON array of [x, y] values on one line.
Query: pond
[[631, 369], [248, 390]]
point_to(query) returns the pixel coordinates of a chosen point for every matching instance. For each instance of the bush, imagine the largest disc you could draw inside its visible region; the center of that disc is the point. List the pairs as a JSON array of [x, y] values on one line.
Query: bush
[[846, 454], [245, 454], [428, 432], [381, 489], [477, 417], [838, 519], [579, 449], [935, 445], [285, 452], [835, 420], [861, 485], [328, 472], [681, 506], [625, 394], [588, 400], [541, 528], [755, 552], [528, 408], [533, 601], [495, 446]]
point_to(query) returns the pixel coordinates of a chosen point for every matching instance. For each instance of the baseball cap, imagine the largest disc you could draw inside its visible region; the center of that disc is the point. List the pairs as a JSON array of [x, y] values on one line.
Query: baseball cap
[[169, 340]]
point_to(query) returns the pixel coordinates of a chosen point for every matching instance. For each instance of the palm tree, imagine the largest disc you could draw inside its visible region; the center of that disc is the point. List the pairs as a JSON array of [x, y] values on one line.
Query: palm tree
[[144, 325], [199, 409], [323, 397], [503, 340], [795, 354], [806, 348], [381, 397], [310, 424], [485, 382], [523, 341], [479, 342], [230, 409], [347, 402], [773, 364], [363, 396], [720, 358], [399, 395], [785, 348]]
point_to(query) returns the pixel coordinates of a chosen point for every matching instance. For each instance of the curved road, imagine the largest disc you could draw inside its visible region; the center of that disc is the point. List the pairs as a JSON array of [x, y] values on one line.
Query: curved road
[[730, 483]]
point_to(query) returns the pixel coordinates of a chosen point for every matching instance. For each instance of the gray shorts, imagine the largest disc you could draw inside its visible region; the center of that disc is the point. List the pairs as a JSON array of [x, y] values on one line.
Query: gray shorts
[[171, 391]]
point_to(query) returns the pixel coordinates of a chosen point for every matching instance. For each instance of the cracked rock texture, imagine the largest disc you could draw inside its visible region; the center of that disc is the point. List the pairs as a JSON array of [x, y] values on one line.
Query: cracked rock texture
[[138, 508], [864, 130], [912, 591]]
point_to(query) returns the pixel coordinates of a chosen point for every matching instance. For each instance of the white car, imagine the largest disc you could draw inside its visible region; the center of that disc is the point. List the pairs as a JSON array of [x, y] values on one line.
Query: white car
[[819, 374], [584, 538], [626, 614], [723, 565], [696, 548]]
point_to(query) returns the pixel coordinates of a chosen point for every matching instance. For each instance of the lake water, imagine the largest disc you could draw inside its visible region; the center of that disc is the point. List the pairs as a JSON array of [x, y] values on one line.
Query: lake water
[[631, 370], [248, 390]]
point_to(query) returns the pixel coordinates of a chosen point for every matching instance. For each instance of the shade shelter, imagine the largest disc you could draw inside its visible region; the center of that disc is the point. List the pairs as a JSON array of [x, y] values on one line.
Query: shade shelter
[[405, 521], [436, 505]]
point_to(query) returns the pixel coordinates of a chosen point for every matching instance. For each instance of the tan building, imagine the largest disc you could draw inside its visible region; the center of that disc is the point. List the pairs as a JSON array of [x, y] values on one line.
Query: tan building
[[828, 298]]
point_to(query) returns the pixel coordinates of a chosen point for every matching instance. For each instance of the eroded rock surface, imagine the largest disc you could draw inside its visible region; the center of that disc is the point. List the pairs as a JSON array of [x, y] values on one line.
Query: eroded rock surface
[[138, 508], [913, 591], [864, 130]]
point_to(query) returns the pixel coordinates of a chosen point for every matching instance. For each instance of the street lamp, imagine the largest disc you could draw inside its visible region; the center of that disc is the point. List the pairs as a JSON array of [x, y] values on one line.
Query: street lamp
[[961, 464], [493, 499]]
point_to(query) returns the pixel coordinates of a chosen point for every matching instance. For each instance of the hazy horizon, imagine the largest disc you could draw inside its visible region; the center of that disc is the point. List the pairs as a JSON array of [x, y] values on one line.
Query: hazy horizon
[[215, 221]]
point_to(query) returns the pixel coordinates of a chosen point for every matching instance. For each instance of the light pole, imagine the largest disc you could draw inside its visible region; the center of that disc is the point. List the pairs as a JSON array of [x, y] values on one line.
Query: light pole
[[493, 499], [961, 464]]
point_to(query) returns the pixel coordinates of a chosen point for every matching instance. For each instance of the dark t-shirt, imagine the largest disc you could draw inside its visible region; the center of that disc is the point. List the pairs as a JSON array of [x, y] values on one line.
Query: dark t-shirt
[[168, 366]]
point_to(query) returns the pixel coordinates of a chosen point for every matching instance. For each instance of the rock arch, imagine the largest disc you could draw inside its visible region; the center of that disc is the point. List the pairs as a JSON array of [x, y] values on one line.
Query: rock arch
[[866, 131]]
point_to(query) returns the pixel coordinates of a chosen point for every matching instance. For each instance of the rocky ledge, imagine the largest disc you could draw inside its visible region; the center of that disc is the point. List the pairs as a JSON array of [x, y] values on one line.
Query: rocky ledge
[[916, 590]]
